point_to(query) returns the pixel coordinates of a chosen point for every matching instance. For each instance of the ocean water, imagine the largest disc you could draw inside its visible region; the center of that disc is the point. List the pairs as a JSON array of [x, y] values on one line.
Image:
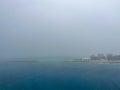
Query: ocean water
[[59, 75]]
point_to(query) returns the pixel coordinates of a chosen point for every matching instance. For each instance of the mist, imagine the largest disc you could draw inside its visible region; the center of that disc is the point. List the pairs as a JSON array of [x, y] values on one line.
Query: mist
[[69, 28]]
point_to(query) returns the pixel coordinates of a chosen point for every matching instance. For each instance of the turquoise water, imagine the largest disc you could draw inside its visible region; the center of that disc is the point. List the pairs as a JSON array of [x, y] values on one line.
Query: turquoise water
[[59, 75]]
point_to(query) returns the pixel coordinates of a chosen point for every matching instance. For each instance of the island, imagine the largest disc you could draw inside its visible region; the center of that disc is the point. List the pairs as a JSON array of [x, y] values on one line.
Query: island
[[98, 59]]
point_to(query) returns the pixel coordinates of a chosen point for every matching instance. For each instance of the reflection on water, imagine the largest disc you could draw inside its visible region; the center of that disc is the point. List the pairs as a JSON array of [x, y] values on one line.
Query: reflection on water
[[46, 75]]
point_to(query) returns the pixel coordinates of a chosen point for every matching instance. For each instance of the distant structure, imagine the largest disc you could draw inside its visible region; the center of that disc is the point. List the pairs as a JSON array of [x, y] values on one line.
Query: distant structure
[[105, 57]]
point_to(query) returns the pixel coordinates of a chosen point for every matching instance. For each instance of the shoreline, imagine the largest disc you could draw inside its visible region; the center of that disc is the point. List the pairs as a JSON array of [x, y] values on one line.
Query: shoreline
[[95, 61]]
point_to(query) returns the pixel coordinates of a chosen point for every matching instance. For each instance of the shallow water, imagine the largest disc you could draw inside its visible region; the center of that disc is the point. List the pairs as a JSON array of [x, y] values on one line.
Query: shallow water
[[59, 75]]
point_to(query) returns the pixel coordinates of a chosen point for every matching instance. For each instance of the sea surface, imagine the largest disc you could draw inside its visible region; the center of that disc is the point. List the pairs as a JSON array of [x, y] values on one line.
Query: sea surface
[[55, 74]]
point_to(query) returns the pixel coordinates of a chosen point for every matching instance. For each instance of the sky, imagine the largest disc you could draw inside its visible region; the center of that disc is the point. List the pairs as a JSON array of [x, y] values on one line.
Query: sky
[[69, 28]]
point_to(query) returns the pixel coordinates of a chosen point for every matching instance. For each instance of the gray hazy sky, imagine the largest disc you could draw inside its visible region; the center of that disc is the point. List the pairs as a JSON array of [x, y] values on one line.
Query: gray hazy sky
[[59, 27]]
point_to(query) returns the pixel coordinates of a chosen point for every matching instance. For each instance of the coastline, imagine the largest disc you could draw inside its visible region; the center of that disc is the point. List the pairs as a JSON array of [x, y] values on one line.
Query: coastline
[[94, 61]]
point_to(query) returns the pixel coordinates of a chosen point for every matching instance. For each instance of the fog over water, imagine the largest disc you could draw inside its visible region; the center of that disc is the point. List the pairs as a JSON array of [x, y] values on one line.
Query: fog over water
[[69, 28]]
